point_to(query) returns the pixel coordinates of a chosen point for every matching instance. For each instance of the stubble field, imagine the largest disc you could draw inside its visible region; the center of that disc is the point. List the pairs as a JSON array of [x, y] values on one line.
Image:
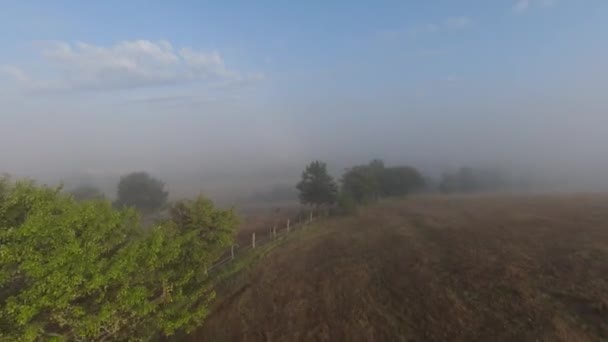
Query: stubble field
[[430, 268]]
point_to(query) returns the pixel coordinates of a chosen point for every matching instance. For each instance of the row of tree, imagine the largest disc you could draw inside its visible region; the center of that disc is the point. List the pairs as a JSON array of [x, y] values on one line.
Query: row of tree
[[87, 271], [359, 185], [137, 189], [468, 180]]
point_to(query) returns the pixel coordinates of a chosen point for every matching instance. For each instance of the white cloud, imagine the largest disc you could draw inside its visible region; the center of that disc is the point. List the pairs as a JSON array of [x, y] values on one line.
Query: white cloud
[[127, 64], [22, 79], [524, 5], [521, 6], [14, 72], [202, 60], [203, 63]]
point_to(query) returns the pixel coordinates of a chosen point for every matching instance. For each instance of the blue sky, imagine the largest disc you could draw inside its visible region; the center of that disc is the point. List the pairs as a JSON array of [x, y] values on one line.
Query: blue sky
[[93, 84], [384, 42]]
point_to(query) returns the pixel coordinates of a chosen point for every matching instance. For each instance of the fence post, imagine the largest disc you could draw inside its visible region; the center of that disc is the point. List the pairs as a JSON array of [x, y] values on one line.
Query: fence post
[[310, 219], [274, 232], [288, 227], [232, 251], [253, 240]]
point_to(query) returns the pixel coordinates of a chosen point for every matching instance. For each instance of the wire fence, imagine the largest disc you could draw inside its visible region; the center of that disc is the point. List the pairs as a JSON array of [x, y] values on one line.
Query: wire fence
[[260, 239]]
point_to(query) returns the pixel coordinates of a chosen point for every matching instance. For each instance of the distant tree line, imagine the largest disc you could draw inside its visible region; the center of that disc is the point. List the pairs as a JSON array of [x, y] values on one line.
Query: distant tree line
[[469, 180], [360, 184], [138, 190]]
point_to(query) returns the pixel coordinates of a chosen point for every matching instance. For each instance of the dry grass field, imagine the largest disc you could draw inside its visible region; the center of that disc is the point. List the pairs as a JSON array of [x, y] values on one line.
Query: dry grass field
[[431, 268]]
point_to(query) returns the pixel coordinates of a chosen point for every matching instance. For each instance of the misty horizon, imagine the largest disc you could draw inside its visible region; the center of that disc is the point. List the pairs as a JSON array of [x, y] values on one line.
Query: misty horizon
[[230, 109]]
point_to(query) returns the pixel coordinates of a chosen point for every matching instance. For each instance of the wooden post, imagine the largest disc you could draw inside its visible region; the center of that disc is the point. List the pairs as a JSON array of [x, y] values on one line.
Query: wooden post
[[206, 270], [310, 219], [232, 251], [288, 227], [253, 240], [274, 232]]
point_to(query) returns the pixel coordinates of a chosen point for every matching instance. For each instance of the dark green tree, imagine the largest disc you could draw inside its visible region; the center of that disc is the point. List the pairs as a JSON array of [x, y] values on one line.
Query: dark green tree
[[400, 180], [361, 183], [141, 191], [366, 183], [377, 166], [317, 187]]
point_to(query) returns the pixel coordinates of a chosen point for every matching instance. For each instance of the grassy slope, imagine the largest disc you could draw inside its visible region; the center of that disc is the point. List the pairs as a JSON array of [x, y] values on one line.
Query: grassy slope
[[430, 268]]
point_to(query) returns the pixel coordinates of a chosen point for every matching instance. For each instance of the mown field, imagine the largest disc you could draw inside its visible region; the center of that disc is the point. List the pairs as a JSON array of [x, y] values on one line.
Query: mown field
[[430, 268]]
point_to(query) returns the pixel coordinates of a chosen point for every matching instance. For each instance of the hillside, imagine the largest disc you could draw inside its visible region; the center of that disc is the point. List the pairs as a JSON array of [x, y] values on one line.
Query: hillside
[[434, 269]]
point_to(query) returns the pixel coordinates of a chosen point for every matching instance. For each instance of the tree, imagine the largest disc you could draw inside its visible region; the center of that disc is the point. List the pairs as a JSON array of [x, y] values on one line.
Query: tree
[[140, 190], [400, 180], [376, 166], [85, 271], [361, 183], [346, 204], [317, 187], [366, 183], [86, 192]]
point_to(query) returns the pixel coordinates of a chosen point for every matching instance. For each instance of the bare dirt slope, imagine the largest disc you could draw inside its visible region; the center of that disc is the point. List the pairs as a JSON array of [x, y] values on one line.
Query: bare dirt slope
[[482, 268]]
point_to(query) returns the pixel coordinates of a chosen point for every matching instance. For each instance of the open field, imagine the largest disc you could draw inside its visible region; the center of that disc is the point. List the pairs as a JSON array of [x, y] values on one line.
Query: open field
[[431, 268]]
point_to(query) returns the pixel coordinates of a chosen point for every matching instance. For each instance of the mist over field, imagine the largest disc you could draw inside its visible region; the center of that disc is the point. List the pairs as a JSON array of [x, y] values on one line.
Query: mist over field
[[519, 88]]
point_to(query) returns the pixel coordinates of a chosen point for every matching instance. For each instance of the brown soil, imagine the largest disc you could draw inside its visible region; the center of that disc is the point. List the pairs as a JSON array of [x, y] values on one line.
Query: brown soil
[[430, 268]]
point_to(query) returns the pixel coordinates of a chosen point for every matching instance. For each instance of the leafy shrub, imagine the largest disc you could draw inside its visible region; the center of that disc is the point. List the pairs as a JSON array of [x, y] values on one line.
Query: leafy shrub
[[86, 271]]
